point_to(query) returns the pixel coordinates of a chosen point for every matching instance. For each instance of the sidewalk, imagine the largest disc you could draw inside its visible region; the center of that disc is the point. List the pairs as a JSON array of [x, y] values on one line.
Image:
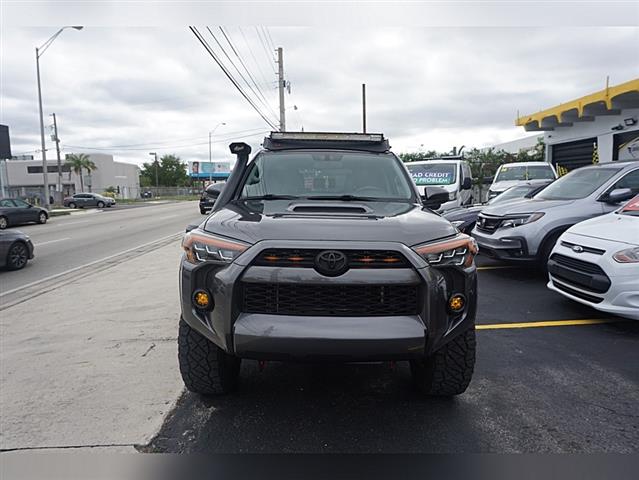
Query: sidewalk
[[94, 362]]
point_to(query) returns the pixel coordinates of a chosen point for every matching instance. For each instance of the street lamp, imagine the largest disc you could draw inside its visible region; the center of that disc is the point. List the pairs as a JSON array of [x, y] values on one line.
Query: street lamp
[[156, 171], [210, 158], [39, 52]]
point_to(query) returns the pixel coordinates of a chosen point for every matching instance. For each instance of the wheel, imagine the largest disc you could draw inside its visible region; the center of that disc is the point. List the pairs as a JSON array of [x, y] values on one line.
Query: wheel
[[4, 223], [42, 218], [546, 249], [205, 368], [449, 370], [72, 205], [100, 205], [202, 211], [17, 256]]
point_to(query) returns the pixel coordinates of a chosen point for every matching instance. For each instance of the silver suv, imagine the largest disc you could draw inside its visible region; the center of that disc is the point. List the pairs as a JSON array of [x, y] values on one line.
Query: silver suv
[[527, 230]]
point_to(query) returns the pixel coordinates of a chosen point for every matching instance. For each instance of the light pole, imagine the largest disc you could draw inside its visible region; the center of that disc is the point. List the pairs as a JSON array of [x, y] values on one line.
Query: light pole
[[210, 155], [156, 171], [39, 52]]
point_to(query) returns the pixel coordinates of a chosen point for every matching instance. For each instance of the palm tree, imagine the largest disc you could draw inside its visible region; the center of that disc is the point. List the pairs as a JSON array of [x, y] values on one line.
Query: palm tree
[[89, 166], [76, 163]]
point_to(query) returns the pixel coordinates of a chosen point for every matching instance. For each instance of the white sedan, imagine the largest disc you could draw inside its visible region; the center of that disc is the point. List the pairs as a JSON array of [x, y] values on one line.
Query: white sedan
[[596, 262]]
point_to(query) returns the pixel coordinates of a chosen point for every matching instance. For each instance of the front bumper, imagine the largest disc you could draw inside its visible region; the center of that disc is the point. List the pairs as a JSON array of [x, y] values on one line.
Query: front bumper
[[511, 248], [338, 338]]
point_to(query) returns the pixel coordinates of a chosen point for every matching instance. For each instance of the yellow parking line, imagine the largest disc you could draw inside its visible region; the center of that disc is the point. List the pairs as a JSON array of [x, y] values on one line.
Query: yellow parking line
[[496, 267], [552, 323]]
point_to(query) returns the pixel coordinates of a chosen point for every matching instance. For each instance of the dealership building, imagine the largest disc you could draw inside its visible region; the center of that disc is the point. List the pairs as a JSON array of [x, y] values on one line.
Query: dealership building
[[596, 128]]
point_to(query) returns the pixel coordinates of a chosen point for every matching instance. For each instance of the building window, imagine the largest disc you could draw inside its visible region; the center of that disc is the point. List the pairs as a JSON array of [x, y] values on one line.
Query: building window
[[50, 169]]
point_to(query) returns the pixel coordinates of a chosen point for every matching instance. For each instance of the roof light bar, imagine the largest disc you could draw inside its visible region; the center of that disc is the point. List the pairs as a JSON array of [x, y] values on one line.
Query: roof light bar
[[327, 136]]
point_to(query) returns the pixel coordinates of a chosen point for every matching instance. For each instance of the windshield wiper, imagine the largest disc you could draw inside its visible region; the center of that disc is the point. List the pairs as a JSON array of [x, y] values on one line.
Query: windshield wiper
[[271, 196]]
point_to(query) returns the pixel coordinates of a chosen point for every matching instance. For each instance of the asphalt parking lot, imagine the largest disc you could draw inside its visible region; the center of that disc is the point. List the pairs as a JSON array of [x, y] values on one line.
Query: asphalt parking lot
[[551, 376]]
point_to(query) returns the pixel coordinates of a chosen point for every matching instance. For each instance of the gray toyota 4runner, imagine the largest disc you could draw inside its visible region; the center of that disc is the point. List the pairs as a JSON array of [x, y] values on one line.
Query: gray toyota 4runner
[[321, 249]]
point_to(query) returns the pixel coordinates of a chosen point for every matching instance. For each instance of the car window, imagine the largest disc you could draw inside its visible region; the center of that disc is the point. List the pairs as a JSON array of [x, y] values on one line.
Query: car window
[[311, 174], [577, 184], [20, 203], [525, 172], [433, 173], [6, 203], [630, 180]]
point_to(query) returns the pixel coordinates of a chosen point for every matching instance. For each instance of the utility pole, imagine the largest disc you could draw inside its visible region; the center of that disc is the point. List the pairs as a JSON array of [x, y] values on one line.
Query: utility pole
[[45, 179], [156, 171], [281, 83], [364, 106], [57, 149]]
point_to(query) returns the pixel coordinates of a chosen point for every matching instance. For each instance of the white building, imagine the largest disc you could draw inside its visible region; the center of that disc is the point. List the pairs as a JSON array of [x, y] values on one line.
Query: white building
[[515, 146], [24, 178], [600, 127]]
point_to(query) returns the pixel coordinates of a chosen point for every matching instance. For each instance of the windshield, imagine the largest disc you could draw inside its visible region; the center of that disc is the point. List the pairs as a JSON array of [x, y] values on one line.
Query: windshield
[[433, 173], [577, 184], [631, 208], [327, 175], [513, 193], [525, 172]]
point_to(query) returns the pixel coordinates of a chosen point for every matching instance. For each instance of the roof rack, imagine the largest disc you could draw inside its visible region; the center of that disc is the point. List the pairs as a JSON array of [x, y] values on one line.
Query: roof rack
[[369, 142]]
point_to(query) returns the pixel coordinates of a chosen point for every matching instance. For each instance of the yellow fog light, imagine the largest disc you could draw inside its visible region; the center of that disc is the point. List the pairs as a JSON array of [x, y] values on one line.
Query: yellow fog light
[[456, 303], [202, 300]]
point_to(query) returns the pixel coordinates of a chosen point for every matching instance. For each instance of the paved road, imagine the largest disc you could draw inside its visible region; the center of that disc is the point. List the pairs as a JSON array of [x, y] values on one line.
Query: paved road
[[74, 240], [552, 389]]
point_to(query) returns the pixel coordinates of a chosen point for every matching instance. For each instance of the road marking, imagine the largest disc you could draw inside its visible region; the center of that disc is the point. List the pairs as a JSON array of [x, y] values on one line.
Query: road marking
[[74, 269], [64, 224], [51, 241], [551, 323], [496, 267]]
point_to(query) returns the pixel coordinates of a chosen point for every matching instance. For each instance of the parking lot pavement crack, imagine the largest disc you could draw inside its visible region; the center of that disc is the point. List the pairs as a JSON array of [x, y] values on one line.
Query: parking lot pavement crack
[[611, 410]]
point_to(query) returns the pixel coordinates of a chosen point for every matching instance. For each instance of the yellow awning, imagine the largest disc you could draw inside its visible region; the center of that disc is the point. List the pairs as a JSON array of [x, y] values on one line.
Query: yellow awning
[[609, 101]]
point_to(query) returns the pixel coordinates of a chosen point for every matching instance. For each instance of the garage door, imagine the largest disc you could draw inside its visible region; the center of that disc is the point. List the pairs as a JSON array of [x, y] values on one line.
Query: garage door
[[570, 155]]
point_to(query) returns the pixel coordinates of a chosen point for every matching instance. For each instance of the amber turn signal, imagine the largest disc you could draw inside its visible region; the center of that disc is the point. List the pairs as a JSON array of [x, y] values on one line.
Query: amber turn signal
[[202, 300], [456, 303]]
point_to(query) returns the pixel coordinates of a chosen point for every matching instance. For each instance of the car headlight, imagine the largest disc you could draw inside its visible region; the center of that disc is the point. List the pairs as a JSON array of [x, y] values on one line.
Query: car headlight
[[452, 195], [200, 247], [459, 251], [522, 219], [629, 255]]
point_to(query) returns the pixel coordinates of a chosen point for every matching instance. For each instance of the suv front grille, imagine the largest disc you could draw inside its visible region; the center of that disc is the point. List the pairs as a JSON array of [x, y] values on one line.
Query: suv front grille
[[305, 258], [488, 224], [330, 300]]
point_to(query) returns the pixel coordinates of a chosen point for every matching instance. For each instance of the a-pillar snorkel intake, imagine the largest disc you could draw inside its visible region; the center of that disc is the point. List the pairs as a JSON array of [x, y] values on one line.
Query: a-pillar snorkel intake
[[242, 150]]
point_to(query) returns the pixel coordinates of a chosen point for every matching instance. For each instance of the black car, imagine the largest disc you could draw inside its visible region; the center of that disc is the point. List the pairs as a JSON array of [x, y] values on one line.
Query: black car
[[464, 218], [209, 195], [15, 249], [14, 211], [321, 249]]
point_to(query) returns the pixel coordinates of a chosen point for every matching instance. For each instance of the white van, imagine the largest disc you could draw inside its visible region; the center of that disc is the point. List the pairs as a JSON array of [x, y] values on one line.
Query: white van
[[511, 174], [453, 175]]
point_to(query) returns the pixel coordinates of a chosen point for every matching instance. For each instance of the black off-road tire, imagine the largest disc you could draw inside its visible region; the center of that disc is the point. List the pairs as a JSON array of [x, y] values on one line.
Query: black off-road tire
[[206, 369], [449, 370]]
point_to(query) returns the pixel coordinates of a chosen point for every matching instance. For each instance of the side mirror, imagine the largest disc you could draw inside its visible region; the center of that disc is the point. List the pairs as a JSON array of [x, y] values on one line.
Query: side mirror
[[487, 180], [190, 227], [29, 205], [434, 197], [618, 195], [214, 190], [467, 183]]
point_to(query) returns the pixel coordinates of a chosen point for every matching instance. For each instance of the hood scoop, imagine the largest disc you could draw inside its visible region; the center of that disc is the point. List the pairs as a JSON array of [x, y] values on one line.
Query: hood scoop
[[330, 208]]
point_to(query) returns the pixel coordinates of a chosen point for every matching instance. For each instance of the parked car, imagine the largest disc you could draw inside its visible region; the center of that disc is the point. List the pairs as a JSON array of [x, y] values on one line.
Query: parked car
[[464, 218], [526, 231], [209, 195], [453, 175], [16, 249], [596, 262], [511, 174], [14, 211], [82, 200], [321, 249]]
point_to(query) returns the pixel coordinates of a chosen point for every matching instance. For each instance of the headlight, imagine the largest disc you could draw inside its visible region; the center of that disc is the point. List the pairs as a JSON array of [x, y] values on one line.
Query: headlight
[[522, 219], [459, 251], [452, 195], [202, 247], [629, 255]]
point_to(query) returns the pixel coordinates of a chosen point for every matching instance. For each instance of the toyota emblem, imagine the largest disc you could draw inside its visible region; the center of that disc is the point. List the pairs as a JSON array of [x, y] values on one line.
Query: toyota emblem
[[331, 263], [577, 248]]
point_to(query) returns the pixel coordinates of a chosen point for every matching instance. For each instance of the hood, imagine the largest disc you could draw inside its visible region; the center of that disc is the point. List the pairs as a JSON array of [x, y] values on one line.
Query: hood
[[463, 213], [527, 205], [276, 220], [613, 227], [504, 185]]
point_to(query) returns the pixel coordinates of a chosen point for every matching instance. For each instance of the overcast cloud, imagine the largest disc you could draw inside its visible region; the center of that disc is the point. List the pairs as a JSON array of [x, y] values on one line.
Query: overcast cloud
[[130, 91]]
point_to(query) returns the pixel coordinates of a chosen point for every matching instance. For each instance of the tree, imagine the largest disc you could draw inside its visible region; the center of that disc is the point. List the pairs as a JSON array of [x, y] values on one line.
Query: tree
[[89, 166], [419, 156], [171, 172], [77, 162]]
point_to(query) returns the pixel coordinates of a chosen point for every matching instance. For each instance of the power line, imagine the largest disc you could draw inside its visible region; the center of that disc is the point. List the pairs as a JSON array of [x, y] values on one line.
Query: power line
[[266, 82], [268, 35], [268, 55], [208, 48]]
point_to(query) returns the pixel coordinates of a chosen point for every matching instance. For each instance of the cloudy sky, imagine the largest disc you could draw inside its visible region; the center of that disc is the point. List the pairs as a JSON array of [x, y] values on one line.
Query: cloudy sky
[[129, 91]]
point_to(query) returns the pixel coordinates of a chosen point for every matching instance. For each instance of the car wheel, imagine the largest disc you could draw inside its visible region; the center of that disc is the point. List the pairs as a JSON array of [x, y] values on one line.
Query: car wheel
[[4, 223], [72, 205], [17, 256], [546, 249], [205, 368], [42, 218], [100, 205], [202, 211], [449, 370]]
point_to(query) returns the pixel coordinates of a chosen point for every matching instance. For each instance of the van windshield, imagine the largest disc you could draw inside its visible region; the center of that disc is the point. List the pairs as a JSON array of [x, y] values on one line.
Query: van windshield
[[327, 175], [525, 172], [577, 184], [433, 173]]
